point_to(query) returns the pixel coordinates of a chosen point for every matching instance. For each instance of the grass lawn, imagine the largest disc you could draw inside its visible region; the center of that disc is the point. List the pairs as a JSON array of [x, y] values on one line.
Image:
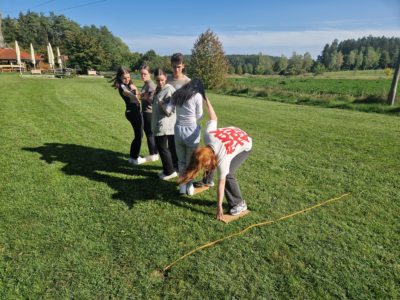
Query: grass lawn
[[78, 222]]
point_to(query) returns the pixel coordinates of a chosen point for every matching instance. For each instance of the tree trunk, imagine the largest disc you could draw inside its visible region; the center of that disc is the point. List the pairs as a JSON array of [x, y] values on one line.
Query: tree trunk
[[392, 93]]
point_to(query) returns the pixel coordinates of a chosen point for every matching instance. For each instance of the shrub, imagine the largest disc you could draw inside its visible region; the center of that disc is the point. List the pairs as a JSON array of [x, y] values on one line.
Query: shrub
[[387, 71]]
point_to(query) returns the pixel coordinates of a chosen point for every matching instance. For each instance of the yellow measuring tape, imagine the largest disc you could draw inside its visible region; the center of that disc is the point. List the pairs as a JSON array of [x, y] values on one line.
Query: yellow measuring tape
[[269, 222]]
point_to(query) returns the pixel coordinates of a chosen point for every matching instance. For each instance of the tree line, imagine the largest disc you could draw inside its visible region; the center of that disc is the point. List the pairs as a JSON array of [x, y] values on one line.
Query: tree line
[[367, 53], [88, 47]]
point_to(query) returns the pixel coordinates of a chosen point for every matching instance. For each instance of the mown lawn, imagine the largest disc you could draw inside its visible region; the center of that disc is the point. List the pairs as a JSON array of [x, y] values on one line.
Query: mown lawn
[[78, 222]]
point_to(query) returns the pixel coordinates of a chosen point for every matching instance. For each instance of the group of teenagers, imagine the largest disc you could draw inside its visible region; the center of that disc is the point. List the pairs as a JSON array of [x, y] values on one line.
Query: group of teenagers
[[168, 113]]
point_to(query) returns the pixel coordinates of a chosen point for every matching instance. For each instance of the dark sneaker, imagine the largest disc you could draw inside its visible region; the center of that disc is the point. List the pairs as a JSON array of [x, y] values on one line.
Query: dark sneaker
[[200, 183], [238, 209]]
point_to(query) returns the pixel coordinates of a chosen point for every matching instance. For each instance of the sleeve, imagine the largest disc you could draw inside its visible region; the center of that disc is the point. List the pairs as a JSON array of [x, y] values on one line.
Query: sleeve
[[199, 107], [210, 126], [123, 87], [170, 107], [168, 95], [151, 91]]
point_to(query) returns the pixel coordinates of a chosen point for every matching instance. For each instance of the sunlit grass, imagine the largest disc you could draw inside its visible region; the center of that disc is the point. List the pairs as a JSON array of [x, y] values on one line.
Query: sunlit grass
[[78, 222]]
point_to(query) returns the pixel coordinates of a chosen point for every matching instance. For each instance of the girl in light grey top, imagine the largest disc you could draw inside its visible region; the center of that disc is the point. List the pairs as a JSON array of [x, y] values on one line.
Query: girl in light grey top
[[161, 122], [188, 102]]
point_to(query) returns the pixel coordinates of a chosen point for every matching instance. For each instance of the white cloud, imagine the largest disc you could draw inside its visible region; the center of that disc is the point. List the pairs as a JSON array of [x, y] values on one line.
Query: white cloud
[[253, 40]]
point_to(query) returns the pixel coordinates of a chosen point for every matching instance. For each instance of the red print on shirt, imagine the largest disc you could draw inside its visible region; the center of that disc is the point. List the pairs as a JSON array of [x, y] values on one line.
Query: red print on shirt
[[231, 138]]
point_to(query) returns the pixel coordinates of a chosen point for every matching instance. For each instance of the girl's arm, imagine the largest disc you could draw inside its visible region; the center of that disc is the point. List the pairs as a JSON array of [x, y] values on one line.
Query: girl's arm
[[129, 94], [164, 107], [147, 97], [210, 110], [163, 104], [220, 198]]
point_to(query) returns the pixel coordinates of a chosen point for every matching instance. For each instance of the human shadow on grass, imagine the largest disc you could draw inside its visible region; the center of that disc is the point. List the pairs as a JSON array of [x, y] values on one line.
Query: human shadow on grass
[[99, 165]]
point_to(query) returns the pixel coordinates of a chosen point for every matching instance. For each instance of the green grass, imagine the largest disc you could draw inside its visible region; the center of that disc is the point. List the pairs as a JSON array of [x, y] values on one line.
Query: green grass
[[78, 222], [356, 87]]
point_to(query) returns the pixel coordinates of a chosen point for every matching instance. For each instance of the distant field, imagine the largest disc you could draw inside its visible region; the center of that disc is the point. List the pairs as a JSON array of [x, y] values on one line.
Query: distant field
[[356, 87], [367, 74]]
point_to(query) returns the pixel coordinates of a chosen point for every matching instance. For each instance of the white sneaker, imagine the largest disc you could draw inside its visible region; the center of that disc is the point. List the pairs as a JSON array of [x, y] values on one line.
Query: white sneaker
[[182, 189], [151, 157], [165, 177], [238, 209], [190, 190], [138, 161]]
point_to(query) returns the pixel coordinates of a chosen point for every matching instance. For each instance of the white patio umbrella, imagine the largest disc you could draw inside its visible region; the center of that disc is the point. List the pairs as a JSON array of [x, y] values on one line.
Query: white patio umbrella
[[59, 59], [33, 57], [50, 57], [18, 53]]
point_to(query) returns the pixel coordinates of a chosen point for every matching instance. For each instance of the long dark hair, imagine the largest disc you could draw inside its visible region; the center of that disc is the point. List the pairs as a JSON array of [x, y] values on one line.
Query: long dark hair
[[116, 80], [188, 91]]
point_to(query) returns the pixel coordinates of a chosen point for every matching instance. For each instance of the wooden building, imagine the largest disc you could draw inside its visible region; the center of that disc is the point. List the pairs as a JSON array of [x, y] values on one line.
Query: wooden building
[[8, 60]]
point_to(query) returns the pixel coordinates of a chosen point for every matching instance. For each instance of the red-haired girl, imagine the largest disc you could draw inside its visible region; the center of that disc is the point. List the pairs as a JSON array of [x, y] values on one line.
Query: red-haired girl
[[226, 149]]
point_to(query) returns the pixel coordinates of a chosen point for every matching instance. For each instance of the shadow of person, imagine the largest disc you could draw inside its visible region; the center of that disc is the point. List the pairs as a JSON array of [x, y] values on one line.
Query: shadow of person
[[100, 165]]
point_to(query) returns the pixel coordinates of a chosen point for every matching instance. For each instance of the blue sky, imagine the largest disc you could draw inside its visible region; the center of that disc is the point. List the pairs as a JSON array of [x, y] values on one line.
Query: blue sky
[[244, 27]]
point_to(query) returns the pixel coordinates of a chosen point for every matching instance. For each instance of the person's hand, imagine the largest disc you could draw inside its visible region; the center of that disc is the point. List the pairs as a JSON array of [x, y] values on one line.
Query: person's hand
[[220, 213], [133, 87], [145, 96]]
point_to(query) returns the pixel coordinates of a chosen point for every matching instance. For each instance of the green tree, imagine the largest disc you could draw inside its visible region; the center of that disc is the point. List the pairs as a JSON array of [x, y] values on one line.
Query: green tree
[[245, 69], [318, 68], [307, 61], [231, 70], [259, 70], [372, 58], [284, 61], [339, 61], [208, 61], [250, 68], [278, 66], [384, 60], [260, 60], [352, 58], [86, 52], [239, 70], [295, 63], [359, 60]]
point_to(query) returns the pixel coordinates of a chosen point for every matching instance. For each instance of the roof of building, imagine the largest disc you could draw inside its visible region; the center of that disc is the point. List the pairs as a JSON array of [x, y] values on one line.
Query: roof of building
[[11, 54]]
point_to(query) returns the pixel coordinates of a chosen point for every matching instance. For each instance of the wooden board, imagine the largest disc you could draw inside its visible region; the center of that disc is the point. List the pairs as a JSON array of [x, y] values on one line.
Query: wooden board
[[229, 218], [200, 189]]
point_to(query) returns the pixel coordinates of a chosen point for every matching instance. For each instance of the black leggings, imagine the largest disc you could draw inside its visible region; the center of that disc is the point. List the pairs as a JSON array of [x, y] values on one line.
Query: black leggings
[[168, 155], [150, 138], [135, 117]]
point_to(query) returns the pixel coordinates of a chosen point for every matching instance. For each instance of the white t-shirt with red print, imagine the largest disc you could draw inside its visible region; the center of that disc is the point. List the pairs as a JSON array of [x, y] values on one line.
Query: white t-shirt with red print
[[227, 143]]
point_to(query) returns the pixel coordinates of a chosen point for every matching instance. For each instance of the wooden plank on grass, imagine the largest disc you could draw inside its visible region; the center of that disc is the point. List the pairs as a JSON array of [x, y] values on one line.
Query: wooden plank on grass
[[198, 190], [230, 218]]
